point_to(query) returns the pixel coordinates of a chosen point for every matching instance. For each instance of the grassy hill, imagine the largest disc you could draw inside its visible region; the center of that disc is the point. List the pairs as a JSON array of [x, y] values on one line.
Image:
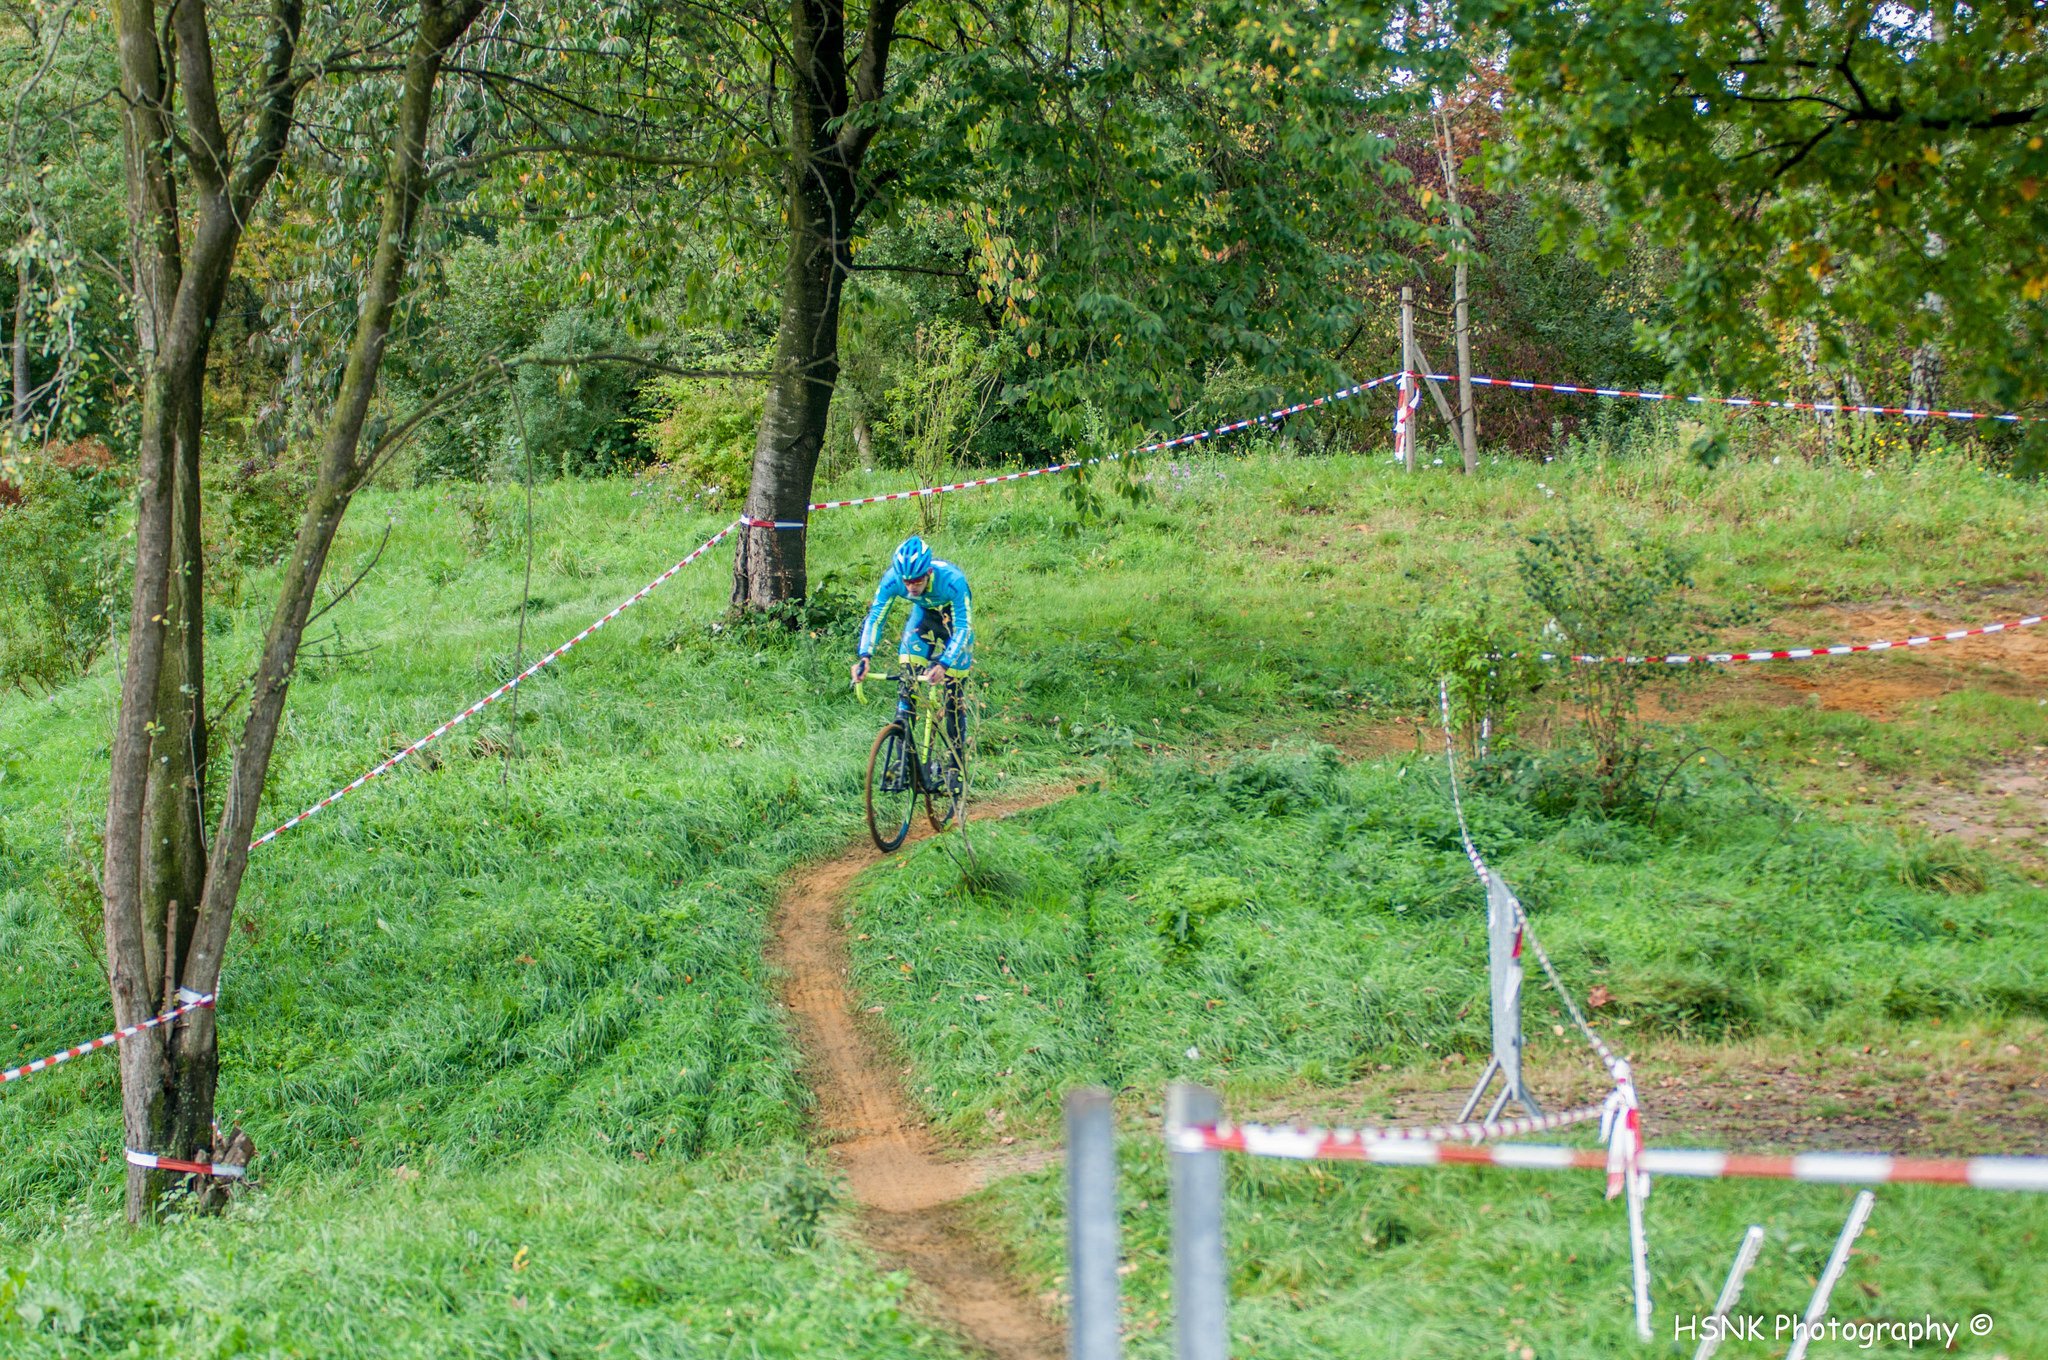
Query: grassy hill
[[502, 1031]]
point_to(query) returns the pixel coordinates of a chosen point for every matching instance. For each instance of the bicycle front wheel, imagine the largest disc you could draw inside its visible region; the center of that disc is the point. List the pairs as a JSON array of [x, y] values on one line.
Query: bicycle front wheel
[[891, 788]]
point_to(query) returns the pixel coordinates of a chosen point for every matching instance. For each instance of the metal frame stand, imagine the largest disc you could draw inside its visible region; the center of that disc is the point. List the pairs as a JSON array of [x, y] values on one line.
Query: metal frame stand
[[1504, 969]]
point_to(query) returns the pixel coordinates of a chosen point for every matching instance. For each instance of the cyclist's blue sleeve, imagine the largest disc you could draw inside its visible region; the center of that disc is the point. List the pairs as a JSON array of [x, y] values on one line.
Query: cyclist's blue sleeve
[[959, 653], [886, 594]]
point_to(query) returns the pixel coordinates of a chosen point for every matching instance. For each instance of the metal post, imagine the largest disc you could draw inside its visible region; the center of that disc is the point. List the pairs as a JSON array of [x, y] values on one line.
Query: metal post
[[1404, 420], [1731, 1292], [1859, 1214], [1504, 969], [1637, 1185], [1092, 1225], [1201, 1325]]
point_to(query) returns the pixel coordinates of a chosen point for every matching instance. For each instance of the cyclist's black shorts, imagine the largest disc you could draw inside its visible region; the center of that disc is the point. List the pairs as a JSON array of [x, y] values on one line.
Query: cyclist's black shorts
[[936, 628]]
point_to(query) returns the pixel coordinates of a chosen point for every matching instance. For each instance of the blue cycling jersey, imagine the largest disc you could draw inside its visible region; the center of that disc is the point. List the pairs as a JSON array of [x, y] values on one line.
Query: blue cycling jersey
[[948, 590]]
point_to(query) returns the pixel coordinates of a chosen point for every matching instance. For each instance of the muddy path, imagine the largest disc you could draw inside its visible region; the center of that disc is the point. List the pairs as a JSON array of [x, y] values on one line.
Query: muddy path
[[904, 1181]]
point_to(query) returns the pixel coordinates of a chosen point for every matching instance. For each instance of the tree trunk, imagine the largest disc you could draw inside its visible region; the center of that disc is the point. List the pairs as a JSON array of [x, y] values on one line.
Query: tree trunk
[[155, 247], [153, 854], [823, 201], [769, 563], [18, 351], [174, 847], [344, 465], [1923, 391]]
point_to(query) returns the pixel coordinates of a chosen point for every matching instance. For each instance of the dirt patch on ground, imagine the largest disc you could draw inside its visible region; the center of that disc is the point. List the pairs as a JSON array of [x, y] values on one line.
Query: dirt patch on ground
[[1882, 685], [905, 1183], [1368, 739], [1907, 1094], [2003, 808]]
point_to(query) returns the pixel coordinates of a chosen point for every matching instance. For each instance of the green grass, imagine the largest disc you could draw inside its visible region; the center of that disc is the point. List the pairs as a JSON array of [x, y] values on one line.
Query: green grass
[[517, 992], [1285, 921], [1283, 924]]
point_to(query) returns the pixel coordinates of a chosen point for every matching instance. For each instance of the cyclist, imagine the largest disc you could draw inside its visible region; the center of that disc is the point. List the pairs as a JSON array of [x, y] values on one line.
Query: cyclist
[[941, 618]]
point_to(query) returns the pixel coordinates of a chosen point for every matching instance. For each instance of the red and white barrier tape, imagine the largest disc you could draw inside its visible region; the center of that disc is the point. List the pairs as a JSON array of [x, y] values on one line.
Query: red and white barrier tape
[[223, 1171], [1311, 1144], [1616, 1067], [387, 765], [749, 521], [1823, 407], [1801, 653], [1179, 441], [1832, 1168], [42, 1064], [915, 492]]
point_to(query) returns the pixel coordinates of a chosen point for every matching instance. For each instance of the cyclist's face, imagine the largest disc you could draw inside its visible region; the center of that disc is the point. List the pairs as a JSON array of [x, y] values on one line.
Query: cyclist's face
[[918, 585]]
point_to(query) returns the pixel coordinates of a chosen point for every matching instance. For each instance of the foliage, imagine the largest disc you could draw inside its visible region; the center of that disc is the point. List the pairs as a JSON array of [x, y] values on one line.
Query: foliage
[[58, 573], [1609, 602], [938, 403], [701, 434], [1838, 174], [579, 419], [1489, 669]]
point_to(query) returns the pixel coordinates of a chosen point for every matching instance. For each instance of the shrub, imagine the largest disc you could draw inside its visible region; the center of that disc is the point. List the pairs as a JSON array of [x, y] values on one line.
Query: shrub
[[702, 434], [264, 506], [56, 574], [580, 420], [1488, 671], [1609, 602]]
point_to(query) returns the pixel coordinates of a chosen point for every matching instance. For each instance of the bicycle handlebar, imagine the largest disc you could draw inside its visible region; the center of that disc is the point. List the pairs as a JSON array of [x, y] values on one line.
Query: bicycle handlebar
[[919, 675]]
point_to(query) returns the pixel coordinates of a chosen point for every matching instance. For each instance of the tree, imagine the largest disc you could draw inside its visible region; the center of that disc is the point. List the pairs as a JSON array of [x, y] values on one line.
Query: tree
[[833, 119], [168, 896], [1142, 193], [1822, 168]]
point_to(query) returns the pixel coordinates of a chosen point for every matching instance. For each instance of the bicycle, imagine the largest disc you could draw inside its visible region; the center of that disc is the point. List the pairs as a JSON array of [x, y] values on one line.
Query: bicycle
[[912, 760]]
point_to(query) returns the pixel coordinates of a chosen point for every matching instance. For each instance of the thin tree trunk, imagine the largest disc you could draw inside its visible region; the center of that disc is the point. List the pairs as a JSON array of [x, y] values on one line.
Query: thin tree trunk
[[1468, 426], [152, 840], [174, 849], [155, 246], [1923, 388], [344, 466], [18, 350]]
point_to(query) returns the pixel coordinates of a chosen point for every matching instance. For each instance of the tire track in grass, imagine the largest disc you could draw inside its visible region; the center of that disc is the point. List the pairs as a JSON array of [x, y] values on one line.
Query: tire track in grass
[[905, 1183]]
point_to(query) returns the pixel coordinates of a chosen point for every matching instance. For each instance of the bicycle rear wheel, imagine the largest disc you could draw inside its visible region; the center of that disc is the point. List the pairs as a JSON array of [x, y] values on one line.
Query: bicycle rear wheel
[[891, 788]]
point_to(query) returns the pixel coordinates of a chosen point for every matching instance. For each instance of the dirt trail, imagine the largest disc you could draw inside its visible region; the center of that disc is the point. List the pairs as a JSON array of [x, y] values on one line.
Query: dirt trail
[[904, 1181]]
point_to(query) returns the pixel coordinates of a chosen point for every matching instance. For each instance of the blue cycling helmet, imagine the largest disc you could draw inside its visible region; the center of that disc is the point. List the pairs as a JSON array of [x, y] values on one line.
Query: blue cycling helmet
[[913, 558]]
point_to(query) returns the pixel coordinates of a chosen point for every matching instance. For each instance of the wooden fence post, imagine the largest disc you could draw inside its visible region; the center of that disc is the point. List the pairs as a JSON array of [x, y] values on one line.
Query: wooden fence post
[[1404, 419]]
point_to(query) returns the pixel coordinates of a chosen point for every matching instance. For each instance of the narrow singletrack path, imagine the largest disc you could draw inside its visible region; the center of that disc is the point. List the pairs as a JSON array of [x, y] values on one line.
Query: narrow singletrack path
[[904, 1182]]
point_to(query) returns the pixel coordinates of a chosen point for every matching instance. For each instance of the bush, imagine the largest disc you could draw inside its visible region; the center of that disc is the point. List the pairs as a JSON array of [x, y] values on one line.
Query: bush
[[580, 420], [702, 434], [57, 584], [1613, 603], [1489, 672]]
